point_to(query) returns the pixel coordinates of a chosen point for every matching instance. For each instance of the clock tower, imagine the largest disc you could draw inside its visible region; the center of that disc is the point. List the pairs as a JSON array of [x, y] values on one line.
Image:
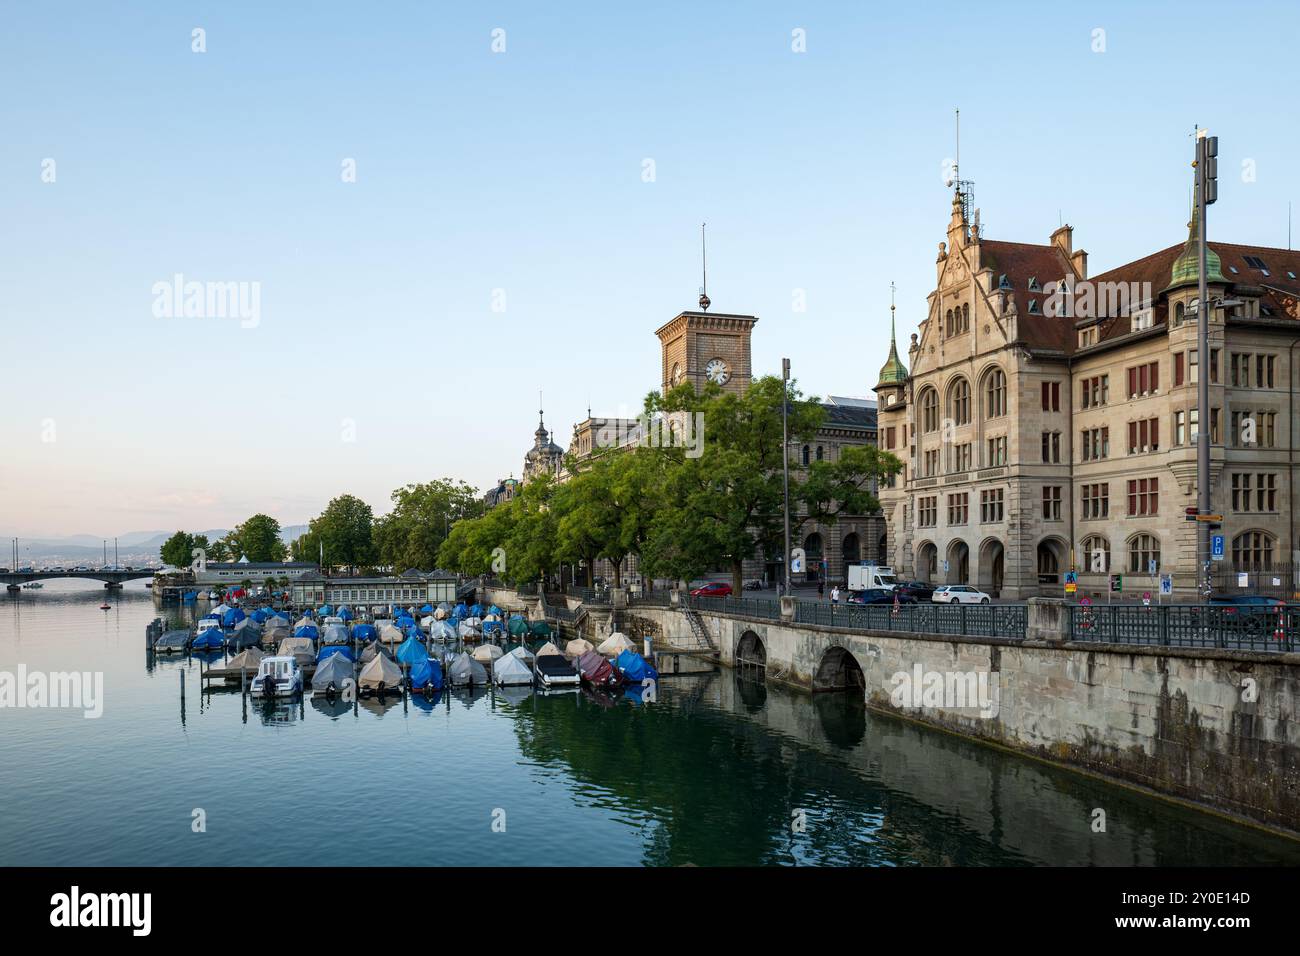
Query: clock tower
[[697, 347]]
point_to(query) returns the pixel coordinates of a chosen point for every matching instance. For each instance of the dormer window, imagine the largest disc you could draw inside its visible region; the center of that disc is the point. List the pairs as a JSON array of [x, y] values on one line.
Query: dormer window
[[1290, 274], [1033, 307], [1233, 270], [1034, 286], [1143, 320], [1005, 283], [1255, 262]]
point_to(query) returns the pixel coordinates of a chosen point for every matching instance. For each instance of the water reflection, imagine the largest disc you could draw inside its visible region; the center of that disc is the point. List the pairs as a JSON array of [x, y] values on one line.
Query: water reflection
[[715, 769]]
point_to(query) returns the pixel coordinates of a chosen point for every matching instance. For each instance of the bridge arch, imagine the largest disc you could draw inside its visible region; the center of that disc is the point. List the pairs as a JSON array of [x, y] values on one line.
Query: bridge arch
[[839, 671]]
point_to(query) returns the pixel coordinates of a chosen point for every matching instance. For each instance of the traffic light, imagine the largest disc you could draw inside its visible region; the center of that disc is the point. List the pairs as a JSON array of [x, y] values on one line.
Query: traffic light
[[1210, 172]]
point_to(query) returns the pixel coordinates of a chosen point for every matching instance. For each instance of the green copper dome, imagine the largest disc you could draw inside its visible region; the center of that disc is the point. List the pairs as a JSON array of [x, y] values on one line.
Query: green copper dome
[[1186, 270], [893, 372]]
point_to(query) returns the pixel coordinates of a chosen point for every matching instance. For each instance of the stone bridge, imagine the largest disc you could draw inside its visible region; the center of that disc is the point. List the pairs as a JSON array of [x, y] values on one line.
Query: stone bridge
[[111, 579]]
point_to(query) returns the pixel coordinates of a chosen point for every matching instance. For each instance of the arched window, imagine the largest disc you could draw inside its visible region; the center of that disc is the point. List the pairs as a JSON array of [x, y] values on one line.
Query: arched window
[[929, 410], [1142, 550], [1179, 309], [805, 455], [947, 324], [1253, 551], [959, 402], [965, 317], [995, 394], [821, 453], [1095, 554]]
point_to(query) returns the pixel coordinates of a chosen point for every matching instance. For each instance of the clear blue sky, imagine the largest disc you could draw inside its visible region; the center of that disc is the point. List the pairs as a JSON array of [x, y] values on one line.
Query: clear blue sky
[[522, 171]]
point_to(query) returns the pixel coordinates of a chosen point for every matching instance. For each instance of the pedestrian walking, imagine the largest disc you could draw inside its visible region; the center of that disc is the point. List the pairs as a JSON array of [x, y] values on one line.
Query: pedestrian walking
[[835, 594], [821, 589]]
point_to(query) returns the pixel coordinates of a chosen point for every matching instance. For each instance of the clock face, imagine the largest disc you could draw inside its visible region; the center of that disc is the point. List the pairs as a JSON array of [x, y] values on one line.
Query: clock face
[[717, 371], [677, 374]]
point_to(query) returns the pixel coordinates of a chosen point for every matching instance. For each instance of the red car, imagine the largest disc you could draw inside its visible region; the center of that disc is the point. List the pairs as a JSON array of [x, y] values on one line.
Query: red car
[[714, 589]]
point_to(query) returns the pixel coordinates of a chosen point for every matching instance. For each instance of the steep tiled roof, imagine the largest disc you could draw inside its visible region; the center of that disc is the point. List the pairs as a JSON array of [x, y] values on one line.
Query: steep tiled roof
[[1020, 262]]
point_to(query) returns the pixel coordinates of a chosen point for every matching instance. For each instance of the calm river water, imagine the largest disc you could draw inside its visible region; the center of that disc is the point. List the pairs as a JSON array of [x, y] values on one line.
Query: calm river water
[[713, 773]]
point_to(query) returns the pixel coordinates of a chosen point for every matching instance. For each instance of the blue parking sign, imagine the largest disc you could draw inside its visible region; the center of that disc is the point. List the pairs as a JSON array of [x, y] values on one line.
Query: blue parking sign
[[1216, 547]]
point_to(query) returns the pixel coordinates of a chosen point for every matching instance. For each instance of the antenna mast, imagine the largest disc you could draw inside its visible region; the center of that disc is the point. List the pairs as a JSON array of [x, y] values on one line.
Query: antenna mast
[[704, 265]]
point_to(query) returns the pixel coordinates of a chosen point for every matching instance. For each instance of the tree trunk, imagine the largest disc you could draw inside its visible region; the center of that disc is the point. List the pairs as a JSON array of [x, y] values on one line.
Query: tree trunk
[[737, 569]]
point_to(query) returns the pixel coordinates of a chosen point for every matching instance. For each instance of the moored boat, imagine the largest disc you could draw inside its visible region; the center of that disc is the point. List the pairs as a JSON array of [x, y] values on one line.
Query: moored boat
[[277, 677]]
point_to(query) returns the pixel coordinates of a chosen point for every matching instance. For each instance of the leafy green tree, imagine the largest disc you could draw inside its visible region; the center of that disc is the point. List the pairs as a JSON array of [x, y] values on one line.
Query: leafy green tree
[[411, 535], [725, 505], [216, 551], [177, 549], [258, 539], [346, 528]]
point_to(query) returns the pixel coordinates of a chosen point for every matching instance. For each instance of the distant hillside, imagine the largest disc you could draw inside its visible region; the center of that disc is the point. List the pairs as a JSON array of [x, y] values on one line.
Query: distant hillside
[[131, 547]]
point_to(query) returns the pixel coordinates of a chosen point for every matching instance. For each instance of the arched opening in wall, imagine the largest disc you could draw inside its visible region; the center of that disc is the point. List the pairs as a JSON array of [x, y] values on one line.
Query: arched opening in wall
[[852, 549], [751, 657], [992, 565], [958, 563], [927, 562], [812, 551], [838, 671], [1050, 556], [882, 549]]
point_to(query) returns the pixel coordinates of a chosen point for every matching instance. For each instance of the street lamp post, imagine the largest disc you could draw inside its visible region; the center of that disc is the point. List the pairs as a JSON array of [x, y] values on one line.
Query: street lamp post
[[785, 465]]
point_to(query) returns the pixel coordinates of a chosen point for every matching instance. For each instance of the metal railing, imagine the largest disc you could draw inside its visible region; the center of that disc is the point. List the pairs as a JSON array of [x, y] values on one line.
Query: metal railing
[[1247, 628], [767, 608], [971, 620], [660, 598]]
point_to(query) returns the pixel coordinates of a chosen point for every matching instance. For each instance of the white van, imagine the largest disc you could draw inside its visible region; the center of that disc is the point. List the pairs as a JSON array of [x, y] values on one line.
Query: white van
[[864, 577]]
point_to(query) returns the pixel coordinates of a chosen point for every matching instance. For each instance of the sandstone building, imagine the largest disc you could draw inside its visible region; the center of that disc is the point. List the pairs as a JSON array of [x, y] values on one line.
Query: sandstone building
[[1048, 419]]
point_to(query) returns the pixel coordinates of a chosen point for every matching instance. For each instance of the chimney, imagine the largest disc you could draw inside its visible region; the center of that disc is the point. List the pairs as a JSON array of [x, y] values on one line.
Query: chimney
[[1063, 238], [1079, 259]]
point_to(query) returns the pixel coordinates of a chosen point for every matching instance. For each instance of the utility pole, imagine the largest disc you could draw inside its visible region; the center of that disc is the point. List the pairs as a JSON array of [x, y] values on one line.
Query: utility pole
[[1207, 151], [785, 464]]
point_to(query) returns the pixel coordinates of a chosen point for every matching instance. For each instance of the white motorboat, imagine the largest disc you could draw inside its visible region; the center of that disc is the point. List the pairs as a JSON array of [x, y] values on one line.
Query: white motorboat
[[277, 677]]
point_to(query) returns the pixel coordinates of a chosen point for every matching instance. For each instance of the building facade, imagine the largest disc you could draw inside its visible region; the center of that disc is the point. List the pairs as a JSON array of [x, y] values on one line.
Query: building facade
[[1048, 421], [233, 572]]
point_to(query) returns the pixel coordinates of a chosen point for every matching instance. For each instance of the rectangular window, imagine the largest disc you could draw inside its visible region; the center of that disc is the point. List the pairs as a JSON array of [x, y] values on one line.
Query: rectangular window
[[1052, 448], [1143, 379], [927, 512], [958, 509], [1051, 396], [1143, 496], [1095, 444], [1095, 501], [1214, 366], [1143, 436], [991, 503], [961, 457], [1094, 391], [1180, 362], [1264, 371], [1051, 502], [996, 451], [931, 462]]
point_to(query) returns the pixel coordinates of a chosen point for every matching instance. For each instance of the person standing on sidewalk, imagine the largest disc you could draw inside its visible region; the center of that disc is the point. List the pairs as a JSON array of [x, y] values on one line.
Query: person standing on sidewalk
[[835, 594], [821, 589]]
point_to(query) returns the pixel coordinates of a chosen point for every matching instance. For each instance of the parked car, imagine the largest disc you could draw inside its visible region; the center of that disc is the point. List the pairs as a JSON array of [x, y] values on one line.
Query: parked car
[[1252, 615], [712, 589], [879, 596], [959, 594], [919, 590]]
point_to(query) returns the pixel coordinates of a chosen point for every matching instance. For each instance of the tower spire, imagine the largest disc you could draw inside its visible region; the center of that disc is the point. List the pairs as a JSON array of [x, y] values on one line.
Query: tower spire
[[894, 372]]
